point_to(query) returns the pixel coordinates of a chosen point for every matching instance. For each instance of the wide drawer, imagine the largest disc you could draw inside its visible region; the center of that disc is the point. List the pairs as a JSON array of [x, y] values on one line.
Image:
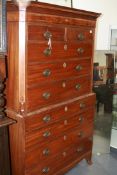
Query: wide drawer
[[51, 132], [62, 159], [54, 92], [59, 33], [37, 152], [44, 72], [68, 109], [39, 52], [52, 116]]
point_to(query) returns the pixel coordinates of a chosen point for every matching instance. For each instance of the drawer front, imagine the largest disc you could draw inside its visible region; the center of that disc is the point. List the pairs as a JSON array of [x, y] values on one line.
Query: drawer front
[[80, 34], [54, 92], [52, 115], [40, 52], [62, 159], [45, 119], [44, 72], [37, 153], [59, 33], [42, 32], [45, 135]]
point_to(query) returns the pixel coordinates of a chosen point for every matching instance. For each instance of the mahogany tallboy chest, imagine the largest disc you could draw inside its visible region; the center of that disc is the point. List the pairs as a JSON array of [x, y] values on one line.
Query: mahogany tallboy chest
[[49, 87]]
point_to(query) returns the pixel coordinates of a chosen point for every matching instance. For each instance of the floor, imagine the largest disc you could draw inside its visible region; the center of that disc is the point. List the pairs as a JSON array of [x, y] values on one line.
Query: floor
[[104, 162]]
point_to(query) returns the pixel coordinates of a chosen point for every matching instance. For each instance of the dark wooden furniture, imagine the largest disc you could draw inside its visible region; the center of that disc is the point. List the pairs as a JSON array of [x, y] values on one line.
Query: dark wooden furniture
[[110, 67], [49, 87], [104, 95], [4, 122]]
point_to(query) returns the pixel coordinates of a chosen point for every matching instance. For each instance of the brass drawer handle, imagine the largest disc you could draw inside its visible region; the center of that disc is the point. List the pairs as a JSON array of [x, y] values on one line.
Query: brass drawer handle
[[80, 149], [78, 86], [46, 134], [47, 118], [47, 52], [80, 134], [46, 152], [45, 170], [82, 105], [80, 50], [47, 35], [46, 72], [78, 67], [46, 95], [81, 36]]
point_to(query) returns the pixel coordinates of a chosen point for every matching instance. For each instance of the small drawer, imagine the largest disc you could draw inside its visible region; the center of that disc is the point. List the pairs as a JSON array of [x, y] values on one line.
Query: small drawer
[[39, 52], [39, 33], [80, 34], [54, 92], [44, 72]]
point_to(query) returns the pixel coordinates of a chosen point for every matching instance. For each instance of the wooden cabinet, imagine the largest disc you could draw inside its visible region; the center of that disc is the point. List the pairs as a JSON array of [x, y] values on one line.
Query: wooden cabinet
[[49, 87]]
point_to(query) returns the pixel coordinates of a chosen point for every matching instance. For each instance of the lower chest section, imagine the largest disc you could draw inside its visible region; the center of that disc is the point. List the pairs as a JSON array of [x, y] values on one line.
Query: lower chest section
[[59, 136]]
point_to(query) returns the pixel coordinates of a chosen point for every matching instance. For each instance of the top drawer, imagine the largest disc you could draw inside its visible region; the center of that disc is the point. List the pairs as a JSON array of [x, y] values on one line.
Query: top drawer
[[59, 33]]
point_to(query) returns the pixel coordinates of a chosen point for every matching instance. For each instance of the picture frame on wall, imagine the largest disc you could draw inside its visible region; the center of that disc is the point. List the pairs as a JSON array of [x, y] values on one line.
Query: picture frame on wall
[[2, 26]]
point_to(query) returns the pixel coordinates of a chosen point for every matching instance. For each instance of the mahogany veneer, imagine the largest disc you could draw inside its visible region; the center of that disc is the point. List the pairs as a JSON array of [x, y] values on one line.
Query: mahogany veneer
[[49, 87]]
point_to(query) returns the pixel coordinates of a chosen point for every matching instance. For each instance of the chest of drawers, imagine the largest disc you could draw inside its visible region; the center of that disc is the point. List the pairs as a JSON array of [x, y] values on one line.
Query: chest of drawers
[[49, 87]]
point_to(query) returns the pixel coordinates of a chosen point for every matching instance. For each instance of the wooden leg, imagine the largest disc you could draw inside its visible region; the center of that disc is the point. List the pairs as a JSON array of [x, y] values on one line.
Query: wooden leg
[[89, 159]]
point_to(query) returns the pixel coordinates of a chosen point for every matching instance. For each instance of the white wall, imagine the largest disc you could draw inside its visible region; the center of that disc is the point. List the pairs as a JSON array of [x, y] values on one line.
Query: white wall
[[66, 3], [108, 8]]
